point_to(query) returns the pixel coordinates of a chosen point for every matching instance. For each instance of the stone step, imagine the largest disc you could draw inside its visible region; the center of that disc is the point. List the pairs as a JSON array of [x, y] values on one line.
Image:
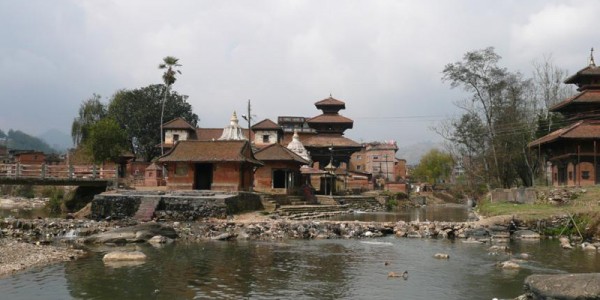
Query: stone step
[[146, 209]]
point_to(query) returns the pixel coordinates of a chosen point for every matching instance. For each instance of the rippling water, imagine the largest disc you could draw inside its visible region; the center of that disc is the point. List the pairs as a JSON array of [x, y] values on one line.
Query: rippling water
[[319, 269], [448, 213], [316, 269]]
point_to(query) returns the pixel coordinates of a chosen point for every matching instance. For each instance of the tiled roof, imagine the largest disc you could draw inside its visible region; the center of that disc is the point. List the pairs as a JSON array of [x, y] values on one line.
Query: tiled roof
[[587, 96], [209, 151], [329, 118], [210, 134], [590, 70], [278, 152], [178, 123], [266, 124], [585, 129], [326, 140], [289, 136], [331, 102]]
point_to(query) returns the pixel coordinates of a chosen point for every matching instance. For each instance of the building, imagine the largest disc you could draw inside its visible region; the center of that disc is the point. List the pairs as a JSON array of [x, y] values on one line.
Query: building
[[572, 151], [280, 173], [378, 159], [211, 165]]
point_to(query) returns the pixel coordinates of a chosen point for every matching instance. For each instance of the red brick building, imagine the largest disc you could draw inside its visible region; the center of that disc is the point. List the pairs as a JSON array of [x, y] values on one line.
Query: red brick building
[[281, 171], [210, 165]]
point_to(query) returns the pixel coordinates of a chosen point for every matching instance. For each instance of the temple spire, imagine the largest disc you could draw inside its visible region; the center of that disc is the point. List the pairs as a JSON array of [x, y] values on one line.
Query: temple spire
[[592, 63]]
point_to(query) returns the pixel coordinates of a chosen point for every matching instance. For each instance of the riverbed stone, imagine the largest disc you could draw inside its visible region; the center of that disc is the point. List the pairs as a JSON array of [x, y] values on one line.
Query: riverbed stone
[[124, 256], [563, 286], [441, 256], [133, 234], [526, 234], [509, 265]]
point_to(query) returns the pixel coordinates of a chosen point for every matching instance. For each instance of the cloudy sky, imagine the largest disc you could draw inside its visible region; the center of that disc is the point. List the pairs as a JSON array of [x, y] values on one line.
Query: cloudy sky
[[383, 58]]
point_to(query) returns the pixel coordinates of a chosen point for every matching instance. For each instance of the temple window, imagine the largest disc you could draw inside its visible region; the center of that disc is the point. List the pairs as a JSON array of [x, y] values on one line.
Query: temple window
[[175, 138], [585, 175], [265, 138]]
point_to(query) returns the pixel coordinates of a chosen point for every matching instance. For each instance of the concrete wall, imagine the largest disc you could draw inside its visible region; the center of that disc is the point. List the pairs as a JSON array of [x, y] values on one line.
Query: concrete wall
[[518, 195]]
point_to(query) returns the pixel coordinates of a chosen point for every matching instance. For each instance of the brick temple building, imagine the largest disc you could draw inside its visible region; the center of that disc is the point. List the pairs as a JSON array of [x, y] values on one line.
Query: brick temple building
[[572, 151]]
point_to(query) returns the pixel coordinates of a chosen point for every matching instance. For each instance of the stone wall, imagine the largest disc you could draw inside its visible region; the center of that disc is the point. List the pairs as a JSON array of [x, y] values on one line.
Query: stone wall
[[517, 195], [180, 205]]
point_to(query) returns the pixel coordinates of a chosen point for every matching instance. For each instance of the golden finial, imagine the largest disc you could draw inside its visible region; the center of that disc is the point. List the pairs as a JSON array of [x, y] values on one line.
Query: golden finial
[[592, 63]]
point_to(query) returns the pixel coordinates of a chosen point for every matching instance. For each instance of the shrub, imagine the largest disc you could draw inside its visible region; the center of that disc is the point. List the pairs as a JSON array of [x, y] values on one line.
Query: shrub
[[26, 191]]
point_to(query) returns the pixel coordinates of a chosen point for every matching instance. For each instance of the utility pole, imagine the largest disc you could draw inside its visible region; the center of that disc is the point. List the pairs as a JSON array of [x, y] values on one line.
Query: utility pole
[[248, 118], [386, 171]]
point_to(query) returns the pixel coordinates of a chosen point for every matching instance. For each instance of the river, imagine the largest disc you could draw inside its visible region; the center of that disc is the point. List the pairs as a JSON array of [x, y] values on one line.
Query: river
[[301, 269]]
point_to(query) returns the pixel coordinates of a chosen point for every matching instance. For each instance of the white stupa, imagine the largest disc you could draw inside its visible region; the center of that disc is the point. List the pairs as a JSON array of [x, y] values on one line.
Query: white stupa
[[233, 131], [296, 146]]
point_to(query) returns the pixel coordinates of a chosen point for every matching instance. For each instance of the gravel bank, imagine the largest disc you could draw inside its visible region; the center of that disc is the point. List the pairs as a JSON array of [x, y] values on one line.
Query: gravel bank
[[16, 256]]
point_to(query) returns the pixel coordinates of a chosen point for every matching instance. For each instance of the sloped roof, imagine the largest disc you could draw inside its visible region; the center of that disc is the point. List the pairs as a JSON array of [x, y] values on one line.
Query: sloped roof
[[326, 140], [330, 102], [585, 129], [178, 123], [209, 134], [590, 70], [278, 152], [266, 124], [587, 96], [329, 118], [209, 151]]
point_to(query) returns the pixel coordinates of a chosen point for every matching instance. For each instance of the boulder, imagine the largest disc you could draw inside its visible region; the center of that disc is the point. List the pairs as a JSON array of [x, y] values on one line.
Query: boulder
[[441, 256], [133, 234], [159, 239], [565, 243], [124, 256], [224, 236], [563, 286], [509, 264], [526, 234]]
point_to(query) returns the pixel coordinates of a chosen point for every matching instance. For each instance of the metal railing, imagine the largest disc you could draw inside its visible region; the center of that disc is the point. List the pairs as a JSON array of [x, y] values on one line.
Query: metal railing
[[46, 171]]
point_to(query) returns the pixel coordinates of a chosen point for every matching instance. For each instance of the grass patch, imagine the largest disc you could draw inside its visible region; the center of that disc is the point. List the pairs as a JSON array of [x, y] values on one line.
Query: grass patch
[[586, 202]]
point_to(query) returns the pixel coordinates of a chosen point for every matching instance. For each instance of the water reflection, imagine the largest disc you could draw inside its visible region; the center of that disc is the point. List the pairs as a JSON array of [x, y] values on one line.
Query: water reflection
[[319, 269], [447, 213]]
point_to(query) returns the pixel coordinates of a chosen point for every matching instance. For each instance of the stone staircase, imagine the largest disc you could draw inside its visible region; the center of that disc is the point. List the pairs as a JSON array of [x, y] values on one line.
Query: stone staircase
[[365, 203], [147, 208]]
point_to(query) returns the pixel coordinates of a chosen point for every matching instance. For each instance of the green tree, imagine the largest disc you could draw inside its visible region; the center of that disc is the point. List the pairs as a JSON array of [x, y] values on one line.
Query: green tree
[[90, 112], [169, 64], [136, 112], [106, 140], [434, 167], [500, 119], [2, 134]]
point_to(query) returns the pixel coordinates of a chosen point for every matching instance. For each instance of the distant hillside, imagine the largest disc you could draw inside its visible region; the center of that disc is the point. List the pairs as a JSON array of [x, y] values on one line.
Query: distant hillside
[[57, 139], [412, 153], [21, 141]]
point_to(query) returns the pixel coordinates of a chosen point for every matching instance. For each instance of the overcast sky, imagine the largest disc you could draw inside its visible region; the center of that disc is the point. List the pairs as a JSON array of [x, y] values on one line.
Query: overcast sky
[[383, 58]]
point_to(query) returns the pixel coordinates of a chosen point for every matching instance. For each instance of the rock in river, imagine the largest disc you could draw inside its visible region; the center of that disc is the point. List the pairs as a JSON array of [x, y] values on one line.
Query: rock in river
[[563, 286], [133, 234]]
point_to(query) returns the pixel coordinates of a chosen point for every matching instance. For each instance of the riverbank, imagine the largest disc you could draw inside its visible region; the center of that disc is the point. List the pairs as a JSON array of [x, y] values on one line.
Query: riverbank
[[17, 256]]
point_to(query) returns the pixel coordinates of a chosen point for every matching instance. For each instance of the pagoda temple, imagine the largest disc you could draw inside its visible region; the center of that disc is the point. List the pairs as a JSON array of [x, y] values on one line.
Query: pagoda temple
[[573, 150], [329, 144]]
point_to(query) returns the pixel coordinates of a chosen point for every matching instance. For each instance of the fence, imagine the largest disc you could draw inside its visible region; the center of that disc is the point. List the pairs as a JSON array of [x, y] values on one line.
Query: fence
[[45, 171]]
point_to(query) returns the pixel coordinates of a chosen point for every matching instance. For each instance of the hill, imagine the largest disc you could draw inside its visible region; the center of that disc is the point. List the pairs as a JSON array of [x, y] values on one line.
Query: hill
[[18, 140], [57, 139]]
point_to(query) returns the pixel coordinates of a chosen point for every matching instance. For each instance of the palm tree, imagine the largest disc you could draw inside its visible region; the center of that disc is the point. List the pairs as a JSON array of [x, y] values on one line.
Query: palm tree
[[169, 63]]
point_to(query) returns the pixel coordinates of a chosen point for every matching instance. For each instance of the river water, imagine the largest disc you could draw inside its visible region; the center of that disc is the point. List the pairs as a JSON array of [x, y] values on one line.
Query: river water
[[300, 269]]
